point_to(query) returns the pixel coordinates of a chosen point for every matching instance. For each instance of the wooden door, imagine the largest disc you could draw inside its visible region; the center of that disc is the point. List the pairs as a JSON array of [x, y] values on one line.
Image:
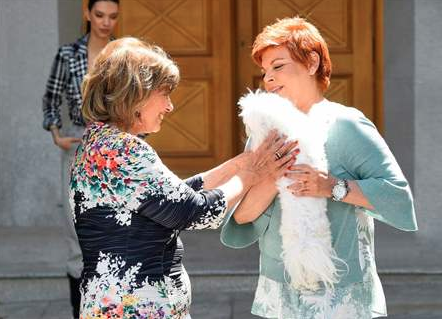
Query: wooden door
[[346, 25], [198, 134]]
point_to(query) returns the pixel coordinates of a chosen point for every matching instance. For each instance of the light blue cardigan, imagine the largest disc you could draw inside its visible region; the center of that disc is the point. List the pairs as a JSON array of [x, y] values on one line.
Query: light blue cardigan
[[355, 151]]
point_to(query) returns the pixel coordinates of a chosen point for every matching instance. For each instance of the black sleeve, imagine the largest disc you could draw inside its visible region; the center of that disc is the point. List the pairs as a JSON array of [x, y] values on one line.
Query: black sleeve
[[195, 182], [197, 210], [52, 98], [172, 202]]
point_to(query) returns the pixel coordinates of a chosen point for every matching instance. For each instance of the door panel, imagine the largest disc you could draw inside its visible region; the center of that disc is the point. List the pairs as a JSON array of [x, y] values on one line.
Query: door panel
[[330, 16], [182, 27]]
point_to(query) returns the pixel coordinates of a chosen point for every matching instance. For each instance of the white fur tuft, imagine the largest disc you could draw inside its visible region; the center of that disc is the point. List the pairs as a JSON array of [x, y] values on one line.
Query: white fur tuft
[[308, 255]]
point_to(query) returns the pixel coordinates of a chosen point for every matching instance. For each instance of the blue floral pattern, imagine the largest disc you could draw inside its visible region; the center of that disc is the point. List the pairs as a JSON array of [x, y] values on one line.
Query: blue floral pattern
[[278, 300]]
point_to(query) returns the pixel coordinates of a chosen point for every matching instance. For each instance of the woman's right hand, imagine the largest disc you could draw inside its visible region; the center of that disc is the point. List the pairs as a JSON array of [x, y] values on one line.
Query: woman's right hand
[[66, 143], [272, 158]]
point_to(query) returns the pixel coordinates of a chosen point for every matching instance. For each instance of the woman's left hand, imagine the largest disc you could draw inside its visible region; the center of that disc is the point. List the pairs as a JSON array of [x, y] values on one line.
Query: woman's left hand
[[309, 181]]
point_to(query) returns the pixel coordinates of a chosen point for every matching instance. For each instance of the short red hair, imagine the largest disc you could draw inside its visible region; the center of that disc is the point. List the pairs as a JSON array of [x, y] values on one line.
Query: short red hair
[[301, 38]]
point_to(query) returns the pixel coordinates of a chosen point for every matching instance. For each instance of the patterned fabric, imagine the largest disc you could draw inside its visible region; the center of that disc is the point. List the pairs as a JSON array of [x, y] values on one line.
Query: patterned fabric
[[67, 73], [128, 210], [278, 300]]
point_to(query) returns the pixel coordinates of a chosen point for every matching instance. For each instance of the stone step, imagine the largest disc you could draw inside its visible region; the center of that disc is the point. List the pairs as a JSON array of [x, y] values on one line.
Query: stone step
[[31, 245], [54, 309]]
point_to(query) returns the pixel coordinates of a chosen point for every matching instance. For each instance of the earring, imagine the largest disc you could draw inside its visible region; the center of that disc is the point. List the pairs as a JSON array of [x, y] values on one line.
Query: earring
[[137, 114]]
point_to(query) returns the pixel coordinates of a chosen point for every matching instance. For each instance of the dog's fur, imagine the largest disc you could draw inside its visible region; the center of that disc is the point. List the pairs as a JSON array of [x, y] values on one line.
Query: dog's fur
[[309, 258]]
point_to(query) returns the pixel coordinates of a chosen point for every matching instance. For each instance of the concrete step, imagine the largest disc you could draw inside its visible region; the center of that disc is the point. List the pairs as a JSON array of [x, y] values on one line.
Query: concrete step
[[416, 294], [32, 265], [33, 282], [55, 309], [31, 245]]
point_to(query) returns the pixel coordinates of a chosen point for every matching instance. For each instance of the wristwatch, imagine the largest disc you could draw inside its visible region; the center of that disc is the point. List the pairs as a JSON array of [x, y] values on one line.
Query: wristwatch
[[340, 190]]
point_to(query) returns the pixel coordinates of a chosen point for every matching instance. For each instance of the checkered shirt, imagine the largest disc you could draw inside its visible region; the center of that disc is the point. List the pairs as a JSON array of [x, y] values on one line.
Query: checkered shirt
[[67, 73]]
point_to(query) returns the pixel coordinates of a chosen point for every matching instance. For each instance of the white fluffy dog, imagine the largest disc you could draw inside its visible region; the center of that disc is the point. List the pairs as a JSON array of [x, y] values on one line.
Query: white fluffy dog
[[308, 256]]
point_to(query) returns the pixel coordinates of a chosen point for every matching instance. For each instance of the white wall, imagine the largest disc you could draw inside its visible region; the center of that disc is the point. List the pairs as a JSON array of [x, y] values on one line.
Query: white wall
[[428, 119]]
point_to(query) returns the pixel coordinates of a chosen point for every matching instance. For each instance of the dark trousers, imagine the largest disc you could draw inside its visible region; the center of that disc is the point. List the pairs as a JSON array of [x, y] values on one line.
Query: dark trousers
[[74, 287]]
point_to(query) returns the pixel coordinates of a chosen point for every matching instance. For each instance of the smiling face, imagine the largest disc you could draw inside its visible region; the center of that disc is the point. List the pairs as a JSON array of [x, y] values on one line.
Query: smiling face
[[152, 112], [103, 18], [287, 77]]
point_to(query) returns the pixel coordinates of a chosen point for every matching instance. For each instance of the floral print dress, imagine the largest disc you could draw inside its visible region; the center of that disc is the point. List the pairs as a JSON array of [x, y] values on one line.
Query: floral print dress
[[128, 210]]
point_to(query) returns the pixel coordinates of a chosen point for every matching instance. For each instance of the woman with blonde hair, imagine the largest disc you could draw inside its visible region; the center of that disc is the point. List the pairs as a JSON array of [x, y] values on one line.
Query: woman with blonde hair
[[361, 181], [128, 207]]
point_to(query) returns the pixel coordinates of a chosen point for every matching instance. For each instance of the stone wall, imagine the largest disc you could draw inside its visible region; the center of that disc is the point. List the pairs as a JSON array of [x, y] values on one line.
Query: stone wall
[[30, 33]]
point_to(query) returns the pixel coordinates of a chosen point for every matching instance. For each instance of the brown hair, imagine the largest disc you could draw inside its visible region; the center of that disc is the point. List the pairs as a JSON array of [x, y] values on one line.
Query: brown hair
[[301, 38], [124, 74]]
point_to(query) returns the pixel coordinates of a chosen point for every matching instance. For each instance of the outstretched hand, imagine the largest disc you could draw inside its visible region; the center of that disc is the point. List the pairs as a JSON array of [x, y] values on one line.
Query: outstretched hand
[[273, 157]]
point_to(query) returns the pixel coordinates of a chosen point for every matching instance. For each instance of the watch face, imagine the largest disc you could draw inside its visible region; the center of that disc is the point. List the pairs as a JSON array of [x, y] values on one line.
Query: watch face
[[339, 192]]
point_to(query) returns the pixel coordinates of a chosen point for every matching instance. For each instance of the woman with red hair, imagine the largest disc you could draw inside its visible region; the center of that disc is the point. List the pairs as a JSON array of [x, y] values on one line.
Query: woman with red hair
[[363, 182]]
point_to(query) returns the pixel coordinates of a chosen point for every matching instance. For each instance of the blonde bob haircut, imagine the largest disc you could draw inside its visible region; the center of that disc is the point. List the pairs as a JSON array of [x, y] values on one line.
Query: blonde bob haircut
[[301, 38], [123, 76]]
